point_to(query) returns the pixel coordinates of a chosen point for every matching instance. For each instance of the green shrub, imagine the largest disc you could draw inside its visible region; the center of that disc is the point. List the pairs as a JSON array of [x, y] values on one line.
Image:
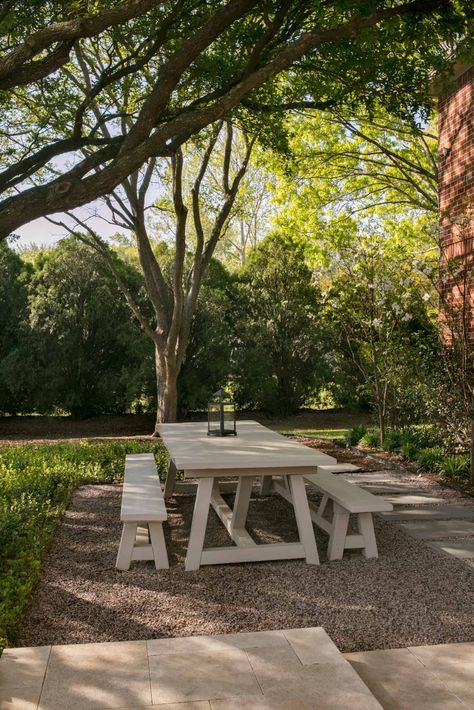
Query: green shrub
[[409, 451], [355, 434], [423, 436], [371, 438], [392, 440], [35, 487], [428, 459], [454, 466]]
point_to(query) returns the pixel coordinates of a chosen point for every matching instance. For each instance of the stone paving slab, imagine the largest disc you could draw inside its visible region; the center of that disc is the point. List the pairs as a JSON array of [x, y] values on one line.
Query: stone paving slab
[[394, 489], [268, 670], [439, 529], [446, 512], [464, 549], [401, 680], [401, 499], [376, 477]]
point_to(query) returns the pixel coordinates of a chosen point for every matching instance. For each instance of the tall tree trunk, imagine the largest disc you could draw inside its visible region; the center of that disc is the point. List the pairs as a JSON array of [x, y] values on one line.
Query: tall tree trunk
[[166, 388], [472, 441]]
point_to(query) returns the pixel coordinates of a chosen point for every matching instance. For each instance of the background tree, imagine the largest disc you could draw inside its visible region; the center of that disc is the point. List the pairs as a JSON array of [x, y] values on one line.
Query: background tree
[[85, 351], [279, 344]]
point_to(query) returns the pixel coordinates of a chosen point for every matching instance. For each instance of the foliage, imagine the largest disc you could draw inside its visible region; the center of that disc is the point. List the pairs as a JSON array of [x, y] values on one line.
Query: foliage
[[279, 341], [35, 487], [428, 459], [409, 451], [172, 63], [371, 438], [355, 434], [455, 466], [207, 366], [391, 441]]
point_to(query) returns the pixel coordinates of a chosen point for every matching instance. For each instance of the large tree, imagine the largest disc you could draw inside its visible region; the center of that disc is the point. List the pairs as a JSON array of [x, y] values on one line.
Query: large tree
[[285, 54]]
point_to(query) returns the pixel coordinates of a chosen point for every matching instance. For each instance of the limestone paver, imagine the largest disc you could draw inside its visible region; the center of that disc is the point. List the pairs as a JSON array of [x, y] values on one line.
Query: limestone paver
[[23, 666], [21, 698], [421, 499], [432, 656], [401, 682], [217, 643], [440, 512], [97, 675], [464, 549], [382, 477], [439, 529], [313, 645], [321, 686], [184, 677], [396, 488], [199, 705]]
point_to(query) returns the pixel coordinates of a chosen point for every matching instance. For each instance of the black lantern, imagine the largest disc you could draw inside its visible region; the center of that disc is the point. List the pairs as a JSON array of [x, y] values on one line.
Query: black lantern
[[221, 415]]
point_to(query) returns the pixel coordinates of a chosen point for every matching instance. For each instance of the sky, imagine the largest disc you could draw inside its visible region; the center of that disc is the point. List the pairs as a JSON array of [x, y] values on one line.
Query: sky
[[42, 233]]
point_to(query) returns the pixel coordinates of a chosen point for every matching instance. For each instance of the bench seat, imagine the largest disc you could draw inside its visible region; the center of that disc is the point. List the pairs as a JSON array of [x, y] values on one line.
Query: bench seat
[[143, 506], [346, 498]]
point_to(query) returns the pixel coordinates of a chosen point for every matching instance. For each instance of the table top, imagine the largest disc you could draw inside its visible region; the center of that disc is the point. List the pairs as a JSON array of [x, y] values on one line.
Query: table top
[[254, 449]]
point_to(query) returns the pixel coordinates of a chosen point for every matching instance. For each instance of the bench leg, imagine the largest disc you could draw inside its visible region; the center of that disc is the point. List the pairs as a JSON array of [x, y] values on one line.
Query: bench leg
[[366, 529], [199, 523], [170, 480], [158, 544], [303, 519], [127, 542], [337, 537]]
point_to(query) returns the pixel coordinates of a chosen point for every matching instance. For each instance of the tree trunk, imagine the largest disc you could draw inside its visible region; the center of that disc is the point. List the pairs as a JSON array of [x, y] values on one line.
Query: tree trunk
[[472, 441], [166, 389]]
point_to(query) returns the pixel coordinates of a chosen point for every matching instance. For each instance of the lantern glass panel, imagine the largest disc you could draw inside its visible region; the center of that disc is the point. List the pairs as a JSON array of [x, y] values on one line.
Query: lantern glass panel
[[221, 415]]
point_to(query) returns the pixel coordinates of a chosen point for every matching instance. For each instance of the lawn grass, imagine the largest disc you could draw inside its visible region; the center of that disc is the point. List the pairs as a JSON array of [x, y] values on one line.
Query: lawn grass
[[36, 483]]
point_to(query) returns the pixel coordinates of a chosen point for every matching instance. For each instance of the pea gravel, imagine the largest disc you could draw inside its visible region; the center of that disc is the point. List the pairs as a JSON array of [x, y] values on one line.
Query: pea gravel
[[411, 595]]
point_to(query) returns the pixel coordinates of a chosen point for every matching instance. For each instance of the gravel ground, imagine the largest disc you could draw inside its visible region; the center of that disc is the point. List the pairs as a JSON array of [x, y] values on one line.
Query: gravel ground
[[411, 595]]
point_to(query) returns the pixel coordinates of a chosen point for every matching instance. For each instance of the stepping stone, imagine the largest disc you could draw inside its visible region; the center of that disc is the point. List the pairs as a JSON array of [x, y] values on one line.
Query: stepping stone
[[463, 549], [406, 488], [375, 477], [439, 529], [445, 512], [339, 468], [402, 499]]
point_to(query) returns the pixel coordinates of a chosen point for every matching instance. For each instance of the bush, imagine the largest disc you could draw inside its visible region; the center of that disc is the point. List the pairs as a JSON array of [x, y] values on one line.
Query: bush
[[423, 436], [371, 438], [454, 466], [35, 487], [355, 434], [392, 441], [409, 451], [429, 459]]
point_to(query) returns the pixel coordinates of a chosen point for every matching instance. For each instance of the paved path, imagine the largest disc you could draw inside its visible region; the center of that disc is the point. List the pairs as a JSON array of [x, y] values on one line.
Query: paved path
[[419, 678], [299, 669], [442, 517]]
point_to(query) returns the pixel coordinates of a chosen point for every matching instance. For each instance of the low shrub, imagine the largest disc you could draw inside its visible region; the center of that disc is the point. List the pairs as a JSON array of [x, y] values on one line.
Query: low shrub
[[428, 459], [392, 440], [409, 451], [355, 434], [454, 466], [371, 438], [35, 488], [423, 436]]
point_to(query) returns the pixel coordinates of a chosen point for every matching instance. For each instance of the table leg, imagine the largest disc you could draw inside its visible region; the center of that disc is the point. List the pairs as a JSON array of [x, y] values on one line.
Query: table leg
[[265, 485], [170, 480], [303, 519], [199, 523], [242, 501]]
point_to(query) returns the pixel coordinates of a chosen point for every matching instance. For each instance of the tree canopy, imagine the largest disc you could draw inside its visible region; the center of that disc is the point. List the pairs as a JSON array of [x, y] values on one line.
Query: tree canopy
[[173, 60]]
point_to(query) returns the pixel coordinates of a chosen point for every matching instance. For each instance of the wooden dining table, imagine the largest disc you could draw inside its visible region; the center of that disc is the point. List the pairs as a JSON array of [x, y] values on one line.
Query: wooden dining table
[[256, 452]]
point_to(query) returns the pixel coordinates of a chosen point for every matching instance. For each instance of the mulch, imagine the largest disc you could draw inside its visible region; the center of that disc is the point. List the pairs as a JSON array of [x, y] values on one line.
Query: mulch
[[411, 595]]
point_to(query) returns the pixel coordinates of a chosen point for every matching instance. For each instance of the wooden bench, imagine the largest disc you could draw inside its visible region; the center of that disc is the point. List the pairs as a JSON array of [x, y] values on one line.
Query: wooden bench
[[143, 506], [346, 498]]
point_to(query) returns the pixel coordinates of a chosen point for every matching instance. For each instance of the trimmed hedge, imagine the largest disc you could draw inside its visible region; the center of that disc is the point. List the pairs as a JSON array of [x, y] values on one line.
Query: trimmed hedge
[[36, 483]]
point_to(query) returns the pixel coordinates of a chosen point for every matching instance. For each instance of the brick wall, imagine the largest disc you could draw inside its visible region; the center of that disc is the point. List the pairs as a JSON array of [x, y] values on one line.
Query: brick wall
[[456, 202]]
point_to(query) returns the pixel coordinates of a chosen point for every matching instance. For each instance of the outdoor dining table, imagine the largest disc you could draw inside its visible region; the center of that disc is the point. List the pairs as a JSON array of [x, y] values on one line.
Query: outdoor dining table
[[256, 451]]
